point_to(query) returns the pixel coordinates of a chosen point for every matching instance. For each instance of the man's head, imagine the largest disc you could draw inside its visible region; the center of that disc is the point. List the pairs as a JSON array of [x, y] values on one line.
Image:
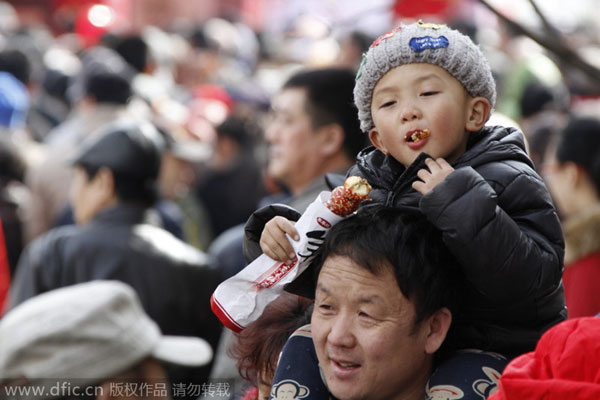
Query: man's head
[[413, 79], [314, 129], [104, 78], [382, 304], [119, 165], [572, 167], [88, 334]]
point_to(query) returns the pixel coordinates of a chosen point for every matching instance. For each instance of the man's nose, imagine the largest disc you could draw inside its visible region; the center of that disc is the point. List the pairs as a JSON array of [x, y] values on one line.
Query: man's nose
[[271, 131], [342, 332]]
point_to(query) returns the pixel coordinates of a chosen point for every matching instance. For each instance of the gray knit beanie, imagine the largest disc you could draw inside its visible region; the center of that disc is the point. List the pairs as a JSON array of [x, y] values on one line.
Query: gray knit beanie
[[422, 43]]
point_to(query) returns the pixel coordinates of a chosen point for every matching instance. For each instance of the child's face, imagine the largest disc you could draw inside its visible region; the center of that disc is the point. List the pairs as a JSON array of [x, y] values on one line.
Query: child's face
[[417, 98]]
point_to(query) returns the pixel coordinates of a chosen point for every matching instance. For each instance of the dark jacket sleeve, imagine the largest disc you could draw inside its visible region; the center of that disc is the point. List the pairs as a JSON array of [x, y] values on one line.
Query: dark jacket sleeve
[[33, 272], [507, 237], [256, 223]]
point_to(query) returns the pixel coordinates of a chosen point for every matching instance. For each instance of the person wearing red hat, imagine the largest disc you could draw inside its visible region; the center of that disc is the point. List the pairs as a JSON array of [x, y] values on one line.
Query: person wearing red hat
[[564, 365]]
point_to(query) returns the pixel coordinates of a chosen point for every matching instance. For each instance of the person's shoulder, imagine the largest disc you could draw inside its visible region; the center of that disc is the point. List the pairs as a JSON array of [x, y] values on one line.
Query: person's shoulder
[[499, 148], [160, 241], [303, 332], [56, 235], [49, 245]]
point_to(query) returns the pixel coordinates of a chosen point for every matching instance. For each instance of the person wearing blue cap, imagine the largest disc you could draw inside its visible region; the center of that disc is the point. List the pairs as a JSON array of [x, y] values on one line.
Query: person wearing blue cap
[[14, 102]]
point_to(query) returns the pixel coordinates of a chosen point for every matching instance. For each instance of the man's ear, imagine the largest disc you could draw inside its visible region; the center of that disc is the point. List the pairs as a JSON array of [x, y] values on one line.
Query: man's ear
[[376, 141], [331, 139], [574, 174], [478, 112], [437, 325], [105, 181]]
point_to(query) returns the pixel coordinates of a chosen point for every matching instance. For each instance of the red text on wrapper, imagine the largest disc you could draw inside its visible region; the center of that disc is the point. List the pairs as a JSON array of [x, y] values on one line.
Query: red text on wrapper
[[274, 275], [323, 222], [279, 270]]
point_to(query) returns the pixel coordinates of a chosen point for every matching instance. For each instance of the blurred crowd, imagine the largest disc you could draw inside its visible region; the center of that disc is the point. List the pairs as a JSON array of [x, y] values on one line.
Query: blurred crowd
[[210, 91]]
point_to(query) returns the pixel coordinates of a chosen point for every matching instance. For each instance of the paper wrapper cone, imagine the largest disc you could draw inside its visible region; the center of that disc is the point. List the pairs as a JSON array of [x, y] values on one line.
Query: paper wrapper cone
[[241, 299]]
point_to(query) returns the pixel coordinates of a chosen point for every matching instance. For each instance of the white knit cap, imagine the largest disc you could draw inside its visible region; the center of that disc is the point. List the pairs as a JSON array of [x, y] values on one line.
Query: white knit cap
[[422, 43], [85, 333]]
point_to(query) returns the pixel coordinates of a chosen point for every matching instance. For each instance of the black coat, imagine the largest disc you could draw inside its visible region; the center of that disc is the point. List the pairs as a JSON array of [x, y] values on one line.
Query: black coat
[[498, 219], [171, 278]]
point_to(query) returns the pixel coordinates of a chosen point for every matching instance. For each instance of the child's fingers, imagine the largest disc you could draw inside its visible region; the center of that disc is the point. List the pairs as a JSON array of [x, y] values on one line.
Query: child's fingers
[[286, 226], [276, 251], [275, 243], [423, 174], [443, 163], [433, 164], [419, 186]]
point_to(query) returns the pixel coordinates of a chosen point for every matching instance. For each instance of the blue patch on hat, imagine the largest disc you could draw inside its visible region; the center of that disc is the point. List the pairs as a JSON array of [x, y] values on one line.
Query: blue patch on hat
[[419, 44]]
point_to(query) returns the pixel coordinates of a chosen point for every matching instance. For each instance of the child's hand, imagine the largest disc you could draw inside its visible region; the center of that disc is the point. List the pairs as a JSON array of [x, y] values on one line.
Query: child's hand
[[273, 241], [439, 169]]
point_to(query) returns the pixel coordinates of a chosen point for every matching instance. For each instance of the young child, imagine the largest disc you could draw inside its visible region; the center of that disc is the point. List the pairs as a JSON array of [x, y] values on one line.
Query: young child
[[424, 93]]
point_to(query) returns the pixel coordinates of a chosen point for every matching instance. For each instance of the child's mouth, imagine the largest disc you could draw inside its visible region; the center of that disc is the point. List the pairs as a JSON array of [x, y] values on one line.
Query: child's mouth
[[417, 135]]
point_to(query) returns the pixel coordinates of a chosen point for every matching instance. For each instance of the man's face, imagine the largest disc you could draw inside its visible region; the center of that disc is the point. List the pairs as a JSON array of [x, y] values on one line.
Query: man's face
[[413, 98], [293, 148], [364, 335], [560, 179]]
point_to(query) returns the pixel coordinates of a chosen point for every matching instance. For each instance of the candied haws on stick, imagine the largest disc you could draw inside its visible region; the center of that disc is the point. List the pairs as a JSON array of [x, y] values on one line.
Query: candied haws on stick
[[345, 199]]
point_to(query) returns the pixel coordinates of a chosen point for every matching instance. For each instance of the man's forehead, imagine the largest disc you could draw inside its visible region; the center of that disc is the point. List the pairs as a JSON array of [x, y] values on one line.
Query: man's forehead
[[339, 272]]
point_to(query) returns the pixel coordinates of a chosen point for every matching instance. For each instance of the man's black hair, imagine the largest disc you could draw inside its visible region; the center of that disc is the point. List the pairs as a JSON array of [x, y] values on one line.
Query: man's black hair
[[108, 87], [128, 189], [580, 143], [12, 162], [134, 50], [330, 99], [378, 238], [16, 63]]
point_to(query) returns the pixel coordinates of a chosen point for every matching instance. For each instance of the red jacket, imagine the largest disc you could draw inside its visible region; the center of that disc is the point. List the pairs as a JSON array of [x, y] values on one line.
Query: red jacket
[[582, 286], [564, 365], [4, 271], [581, 277]]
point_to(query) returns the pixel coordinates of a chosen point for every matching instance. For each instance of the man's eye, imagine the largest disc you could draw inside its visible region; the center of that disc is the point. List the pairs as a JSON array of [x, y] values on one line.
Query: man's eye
[[326, 310]]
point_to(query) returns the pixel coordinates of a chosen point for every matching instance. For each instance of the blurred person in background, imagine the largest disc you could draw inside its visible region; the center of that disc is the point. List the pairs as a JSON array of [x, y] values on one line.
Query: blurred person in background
[[313, 138], [564, 365], [352, 46], [572, 173], [232, 186], [14, 104], [51, 105], [13, 193], [180, 211], [16, 63], [114, 186], [543, 112], [97, 342], [100, 94], [313, 131], [14, 96]]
